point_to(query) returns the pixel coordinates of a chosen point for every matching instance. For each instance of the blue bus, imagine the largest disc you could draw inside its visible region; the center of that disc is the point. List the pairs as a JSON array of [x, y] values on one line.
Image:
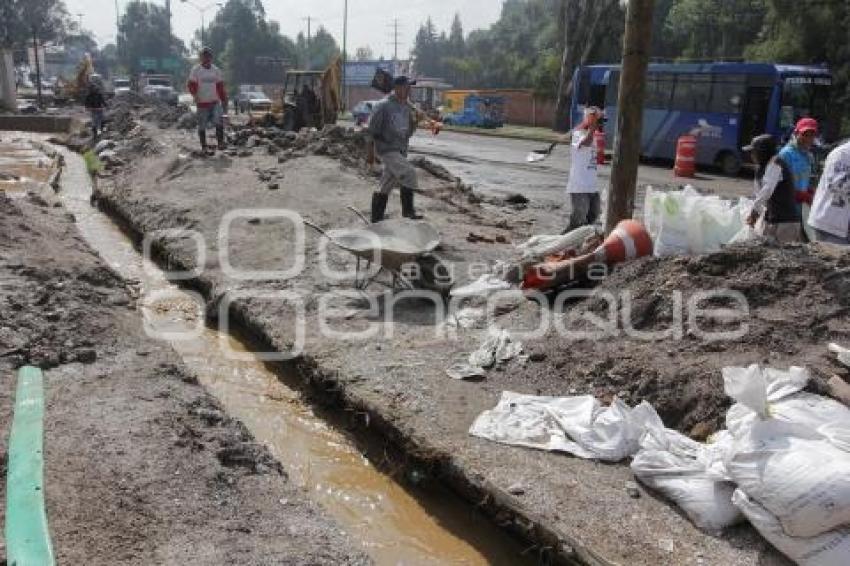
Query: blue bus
[[724, 104]]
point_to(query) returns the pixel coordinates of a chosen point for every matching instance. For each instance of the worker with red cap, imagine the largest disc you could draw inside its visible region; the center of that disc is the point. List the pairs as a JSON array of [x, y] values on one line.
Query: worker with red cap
[[582, 189], [797, 154]]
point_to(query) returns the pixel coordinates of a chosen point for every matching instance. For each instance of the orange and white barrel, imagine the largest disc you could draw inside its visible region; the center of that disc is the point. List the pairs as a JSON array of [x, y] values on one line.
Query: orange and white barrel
[[599, 141], [629, 240], [686, 156]]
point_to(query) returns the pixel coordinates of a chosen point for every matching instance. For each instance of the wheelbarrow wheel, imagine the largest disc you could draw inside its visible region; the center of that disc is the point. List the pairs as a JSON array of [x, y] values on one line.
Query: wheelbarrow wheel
[[434, 275]]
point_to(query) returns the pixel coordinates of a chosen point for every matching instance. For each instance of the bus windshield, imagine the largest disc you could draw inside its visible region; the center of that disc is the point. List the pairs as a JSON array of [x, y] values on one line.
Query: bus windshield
[[804, 97]]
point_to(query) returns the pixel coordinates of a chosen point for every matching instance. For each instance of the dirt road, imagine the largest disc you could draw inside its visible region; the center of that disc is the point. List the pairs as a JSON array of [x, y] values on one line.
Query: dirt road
[[497, 166]]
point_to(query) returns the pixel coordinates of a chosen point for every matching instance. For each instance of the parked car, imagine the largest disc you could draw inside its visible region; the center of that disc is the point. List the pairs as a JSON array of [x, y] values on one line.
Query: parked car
[[158, 86], [253, 102], [121, 86], [362, 111]]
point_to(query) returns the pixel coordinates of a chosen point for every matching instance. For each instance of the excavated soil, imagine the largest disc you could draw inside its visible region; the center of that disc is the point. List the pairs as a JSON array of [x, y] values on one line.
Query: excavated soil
[[142, 466], [798, 300]]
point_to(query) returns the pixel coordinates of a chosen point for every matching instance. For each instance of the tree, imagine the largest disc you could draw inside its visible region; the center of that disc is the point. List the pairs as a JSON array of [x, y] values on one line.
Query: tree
[[580, 22], [23, 20], [250, 48], [143, 34], [323, 49], [364, 54], [713, 29]]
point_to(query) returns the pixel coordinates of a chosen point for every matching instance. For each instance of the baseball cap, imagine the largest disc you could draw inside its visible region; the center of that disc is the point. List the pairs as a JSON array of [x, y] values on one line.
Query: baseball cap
[[806, 125], [763, 141], [403, 80]]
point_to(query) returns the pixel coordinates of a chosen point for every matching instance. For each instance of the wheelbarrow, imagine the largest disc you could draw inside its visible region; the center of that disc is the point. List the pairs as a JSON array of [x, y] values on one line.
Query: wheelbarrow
[[401, 247]]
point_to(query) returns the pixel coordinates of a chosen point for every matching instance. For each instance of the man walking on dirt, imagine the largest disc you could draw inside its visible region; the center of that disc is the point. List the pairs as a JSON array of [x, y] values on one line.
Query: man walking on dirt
[[582, 189], [206, 83], [391, 126]]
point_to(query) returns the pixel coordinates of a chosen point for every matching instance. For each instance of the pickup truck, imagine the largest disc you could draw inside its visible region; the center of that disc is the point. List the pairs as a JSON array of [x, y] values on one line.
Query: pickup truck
[[158, 86]]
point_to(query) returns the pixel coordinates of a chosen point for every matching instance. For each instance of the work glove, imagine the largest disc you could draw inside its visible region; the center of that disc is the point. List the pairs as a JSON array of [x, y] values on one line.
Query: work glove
[[804, 197]]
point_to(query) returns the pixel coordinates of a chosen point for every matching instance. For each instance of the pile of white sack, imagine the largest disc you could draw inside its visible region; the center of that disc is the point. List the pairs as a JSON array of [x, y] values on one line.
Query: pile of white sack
[[688, 223], [783, 463]]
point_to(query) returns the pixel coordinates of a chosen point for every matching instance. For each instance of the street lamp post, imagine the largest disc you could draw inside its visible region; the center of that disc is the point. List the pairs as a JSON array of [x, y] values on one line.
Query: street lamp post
[[202, 10]]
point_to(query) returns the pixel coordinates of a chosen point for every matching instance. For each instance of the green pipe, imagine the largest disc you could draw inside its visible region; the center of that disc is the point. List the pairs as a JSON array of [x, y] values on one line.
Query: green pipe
[[27, 535]]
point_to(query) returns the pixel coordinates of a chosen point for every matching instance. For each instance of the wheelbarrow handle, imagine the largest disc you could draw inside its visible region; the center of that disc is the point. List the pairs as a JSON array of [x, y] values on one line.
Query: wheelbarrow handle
[[316, 228], [359, 214]]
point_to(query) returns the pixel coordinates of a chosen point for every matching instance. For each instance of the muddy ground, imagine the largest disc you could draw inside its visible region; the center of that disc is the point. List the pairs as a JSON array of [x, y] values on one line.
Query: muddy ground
[[142, 465], [395, 381]]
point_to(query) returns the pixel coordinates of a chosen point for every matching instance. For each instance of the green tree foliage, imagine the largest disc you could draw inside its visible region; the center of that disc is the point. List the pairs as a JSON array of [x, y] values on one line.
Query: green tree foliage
[[143, 33], [714, 30], [22, 20], [323, 49], [249, 47], [523, 49]]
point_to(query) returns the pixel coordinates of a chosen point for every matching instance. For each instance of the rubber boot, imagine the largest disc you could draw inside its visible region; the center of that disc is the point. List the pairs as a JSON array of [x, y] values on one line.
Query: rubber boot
[[379, 206], [219, 136], [202, 135], [407, 209]]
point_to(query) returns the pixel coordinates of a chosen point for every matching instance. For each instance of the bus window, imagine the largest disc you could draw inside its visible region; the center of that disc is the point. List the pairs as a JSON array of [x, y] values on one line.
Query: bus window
[[613, 90], [692, 93], [659, 88], [806, 98], [727, 95]]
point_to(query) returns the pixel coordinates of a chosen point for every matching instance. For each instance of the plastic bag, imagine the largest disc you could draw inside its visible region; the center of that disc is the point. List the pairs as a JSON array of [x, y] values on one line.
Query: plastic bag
[[578, 425], [688, 223], [831, 548], [690, 474], [790, 450]]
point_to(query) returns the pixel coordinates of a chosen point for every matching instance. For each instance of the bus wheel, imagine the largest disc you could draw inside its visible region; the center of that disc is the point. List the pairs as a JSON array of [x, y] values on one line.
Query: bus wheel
[[729, 163]]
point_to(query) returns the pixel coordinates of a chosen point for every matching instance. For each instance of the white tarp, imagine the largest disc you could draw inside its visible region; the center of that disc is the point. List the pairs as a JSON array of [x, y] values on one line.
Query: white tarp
[[688, 223], [689, 473], [578, 425], [496, 349], [791, 450]]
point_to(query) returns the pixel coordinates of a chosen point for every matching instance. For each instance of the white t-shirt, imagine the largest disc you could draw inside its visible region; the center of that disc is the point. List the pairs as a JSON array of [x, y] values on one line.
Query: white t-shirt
[[583, 166], [207, 81], [831, 207]]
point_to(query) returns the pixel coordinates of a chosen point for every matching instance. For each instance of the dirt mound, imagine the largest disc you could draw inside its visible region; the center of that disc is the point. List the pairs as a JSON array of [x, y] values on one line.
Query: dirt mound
[[769, 305]]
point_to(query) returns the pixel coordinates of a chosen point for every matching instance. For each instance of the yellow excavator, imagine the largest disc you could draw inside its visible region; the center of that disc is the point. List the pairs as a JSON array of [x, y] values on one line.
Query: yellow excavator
[[311, 99]]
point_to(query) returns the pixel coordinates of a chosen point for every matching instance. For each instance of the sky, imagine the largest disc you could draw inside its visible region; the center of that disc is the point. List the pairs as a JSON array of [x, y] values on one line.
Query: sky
[[370, 22]]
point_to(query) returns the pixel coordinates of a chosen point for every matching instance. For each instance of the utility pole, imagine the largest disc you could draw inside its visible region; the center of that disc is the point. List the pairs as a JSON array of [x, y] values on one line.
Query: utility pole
[[395, 40], [168, 18], [80, 16], [37, 66], [344, 55], [309, 21], [636, 46]]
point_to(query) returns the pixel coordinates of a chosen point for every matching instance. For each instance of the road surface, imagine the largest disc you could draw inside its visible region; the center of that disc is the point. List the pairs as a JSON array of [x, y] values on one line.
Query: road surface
[[497, 166]]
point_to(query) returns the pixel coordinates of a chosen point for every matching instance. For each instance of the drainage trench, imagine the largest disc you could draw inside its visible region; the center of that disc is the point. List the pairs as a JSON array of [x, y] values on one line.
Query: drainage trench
[[393, 523]]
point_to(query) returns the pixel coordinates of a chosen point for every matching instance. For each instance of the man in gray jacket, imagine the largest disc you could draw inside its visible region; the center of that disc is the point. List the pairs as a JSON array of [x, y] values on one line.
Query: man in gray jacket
[[391, 126]]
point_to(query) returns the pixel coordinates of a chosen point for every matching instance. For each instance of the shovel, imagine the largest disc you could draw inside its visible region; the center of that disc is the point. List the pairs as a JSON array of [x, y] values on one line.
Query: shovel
[[540, 154]]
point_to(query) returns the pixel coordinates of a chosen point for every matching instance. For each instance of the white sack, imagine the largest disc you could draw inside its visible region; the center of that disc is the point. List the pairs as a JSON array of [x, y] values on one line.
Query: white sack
[[688, 223], [690, 474], [538, 247], [790, 449], [481, 287], [831, 548], [578, 425]]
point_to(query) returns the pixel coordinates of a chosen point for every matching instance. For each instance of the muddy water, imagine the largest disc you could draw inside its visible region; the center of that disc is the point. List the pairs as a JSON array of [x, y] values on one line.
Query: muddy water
[[393, 524]]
